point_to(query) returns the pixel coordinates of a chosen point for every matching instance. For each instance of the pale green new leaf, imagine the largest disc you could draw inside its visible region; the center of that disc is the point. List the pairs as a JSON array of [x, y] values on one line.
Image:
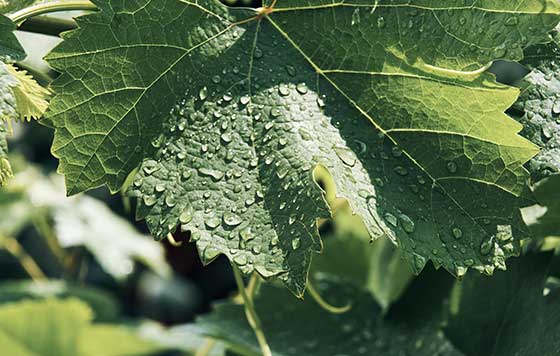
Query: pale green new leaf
[[228, 111], [29, 97], [20, 95], [295, 328]]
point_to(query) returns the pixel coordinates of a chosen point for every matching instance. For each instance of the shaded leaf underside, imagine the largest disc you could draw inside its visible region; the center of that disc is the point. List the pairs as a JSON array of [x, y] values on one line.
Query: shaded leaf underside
[[361, 331], [228, 113], [512, 316]]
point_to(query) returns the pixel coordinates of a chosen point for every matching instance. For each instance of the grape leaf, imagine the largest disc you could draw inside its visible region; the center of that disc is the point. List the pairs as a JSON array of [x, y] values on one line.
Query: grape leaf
[[361, 331], [538, 107], [103, 304], [47, 327], [511, 314], [63, 328], [228, 110], [10, 48]]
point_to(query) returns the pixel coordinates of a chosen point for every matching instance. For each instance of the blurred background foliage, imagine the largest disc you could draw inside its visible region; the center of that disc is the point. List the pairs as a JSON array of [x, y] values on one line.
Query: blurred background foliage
[[87, 257]]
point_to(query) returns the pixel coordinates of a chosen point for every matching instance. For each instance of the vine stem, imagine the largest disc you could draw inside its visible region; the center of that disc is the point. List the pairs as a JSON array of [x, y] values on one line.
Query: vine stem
[[56, 6], [251, 313], [29, 265]]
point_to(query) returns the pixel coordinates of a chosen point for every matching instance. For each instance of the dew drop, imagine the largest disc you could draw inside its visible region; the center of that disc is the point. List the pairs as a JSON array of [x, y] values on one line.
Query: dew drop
[[401, 171], [486, 247], [457, 233], [391, 219], [226, 137], [284, 90], [246, 234], [210, 253], [186, 216], [149, 200], [407, 224], [291, 70], [231, 219], [240, 260], [212, 222], [214, 174], [452, 167], [296, 243], [345, 155], [203, 94], [302, 88]]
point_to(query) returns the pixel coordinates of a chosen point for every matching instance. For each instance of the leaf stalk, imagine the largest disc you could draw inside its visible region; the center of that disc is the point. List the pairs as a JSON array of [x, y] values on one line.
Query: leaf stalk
[[29, 265], [56, 6], [251, 313]]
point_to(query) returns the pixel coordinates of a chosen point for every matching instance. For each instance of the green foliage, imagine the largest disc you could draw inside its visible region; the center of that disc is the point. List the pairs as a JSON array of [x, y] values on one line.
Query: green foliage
[[10, 48], [229, 113], [78, 221], [543, 217], [509, 312], [63, 328], [104, 306], [20, 95], [361, 331], [249, 127], [378, 268], [538, 108]]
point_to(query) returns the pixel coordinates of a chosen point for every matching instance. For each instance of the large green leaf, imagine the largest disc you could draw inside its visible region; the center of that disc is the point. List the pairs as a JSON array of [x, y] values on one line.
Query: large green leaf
[[63, 328], [509, 312], [113, 340], [10, 48], [303, 328], [44, 328], [538, 108], [228, 111], [103, 304]]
